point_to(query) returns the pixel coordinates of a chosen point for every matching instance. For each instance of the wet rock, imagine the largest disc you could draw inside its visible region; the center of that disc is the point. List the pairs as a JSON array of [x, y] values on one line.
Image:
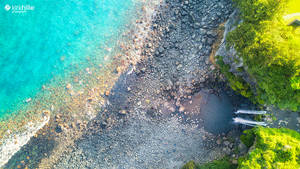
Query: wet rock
[[58, 129], [68, 86], [242, 148], [103, 124]]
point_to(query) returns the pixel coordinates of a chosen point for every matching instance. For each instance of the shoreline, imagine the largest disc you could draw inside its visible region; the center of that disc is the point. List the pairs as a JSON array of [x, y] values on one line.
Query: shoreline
[[154, 117], [157, 101], [160, 102], [14, 144], [94, 97]]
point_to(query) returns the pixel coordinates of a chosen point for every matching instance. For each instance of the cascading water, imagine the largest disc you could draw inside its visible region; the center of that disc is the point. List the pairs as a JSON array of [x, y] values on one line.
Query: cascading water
[[250, 112], [248, 122]]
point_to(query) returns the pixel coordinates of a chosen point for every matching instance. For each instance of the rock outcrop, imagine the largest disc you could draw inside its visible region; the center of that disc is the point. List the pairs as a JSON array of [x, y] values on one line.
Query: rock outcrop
[[229, 54]]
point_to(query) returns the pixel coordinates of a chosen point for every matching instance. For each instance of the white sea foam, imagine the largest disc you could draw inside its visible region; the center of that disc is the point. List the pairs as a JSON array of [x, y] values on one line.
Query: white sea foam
[[14, 143]]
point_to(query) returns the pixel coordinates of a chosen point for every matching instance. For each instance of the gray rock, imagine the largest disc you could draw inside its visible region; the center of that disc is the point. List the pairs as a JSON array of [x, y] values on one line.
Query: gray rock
[[200, 46], [160, 49], [197, 25], [210, 41], [242, 148], [226, 143]]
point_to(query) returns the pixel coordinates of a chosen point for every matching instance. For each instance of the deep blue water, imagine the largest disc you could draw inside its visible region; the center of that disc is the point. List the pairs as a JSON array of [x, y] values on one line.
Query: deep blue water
[[33, 43]]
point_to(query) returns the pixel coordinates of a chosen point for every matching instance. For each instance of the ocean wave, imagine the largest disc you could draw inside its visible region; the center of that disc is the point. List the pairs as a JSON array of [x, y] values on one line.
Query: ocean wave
[[16, 140]]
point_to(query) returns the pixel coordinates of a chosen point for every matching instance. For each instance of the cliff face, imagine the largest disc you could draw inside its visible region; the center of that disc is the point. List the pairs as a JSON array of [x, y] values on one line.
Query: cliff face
[[229, 54], [230, 58]]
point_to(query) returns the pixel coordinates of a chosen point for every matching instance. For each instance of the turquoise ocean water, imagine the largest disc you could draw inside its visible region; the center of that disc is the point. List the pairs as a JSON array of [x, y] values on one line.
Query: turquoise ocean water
[[34, 43]]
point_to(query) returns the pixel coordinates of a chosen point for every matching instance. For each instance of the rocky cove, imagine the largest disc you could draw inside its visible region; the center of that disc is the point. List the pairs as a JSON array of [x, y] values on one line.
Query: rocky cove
[[169, 108]]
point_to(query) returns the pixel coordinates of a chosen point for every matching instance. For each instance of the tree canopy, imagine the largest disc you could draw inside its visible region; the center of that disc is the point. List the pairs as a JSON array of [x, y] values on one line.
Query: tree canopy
[[270, 49]]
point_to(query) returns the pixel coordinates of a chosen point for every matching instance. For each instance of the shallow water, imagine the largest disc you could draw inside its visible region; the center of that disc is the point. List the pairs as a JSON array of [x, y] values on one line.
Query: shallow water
[[51, 40]]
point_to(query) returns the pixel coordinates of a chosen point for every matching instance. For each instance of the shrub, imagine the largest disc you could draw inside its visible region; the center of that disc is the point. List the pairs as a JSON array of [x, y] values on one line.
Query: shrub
[[237, 83], [257, 10], [274, 148], [223, 163], [248, 137], [271, 148], [189, 165]]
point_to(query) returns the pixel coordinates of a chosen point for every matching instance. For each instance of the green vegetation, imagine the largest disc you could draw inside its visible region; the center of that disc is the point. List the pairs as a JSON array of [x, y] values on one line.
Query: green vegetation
[[248, 138], [223, 163], [272, 148], [190, 165], [259, 117], [237, 83], [270, 50], [269, 148]]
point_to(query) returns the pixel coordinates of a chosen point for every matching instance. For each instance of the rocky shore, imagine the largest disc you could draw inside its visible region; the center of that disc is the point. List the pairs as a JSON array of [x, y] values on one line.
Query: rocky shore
[[155, 116], [168, 107]]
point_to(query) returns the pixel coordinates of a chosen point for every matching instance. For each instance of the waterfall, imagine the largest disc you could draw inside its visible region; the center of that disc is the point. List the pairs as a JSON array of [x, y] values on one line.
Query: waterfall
[[250, 112], [248, 122]]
